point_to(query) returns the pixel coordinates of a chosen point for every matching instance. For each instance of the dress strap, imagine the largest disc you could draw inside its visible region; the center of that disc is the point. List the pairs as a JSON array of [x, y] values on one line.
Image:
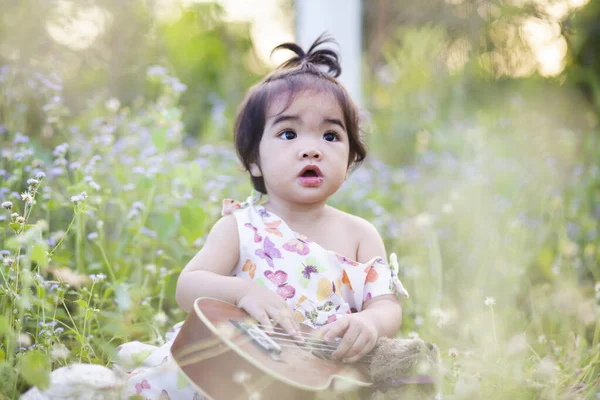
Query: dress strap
[[395, 280], [230, 205]]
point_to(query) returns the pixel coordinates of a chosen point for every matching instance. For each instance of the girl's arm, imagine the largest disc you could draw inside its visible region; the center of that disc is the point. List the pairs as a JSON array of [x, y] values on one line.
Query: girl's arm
[[380, 316], [385, 311], [208, 273]]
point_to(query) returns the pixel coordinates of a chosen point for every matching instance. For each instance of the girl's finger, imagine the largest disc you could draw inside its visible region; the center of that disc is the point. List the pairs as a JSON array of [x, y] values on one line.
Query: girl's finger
[[282, 318], [336, 329], [265, 321], [347, 342], [359, 349]]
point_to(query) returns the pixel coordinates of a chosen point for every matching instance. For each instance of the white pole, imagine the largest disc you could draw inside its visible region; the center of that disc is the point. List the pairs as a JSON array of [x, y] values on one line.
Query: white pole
[[342, 19]]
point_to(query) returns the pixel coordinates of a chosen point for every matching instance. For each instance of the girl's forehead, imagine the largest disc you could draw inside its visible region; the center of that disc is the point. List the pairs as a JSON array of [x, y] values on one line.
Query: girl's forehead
[[306, 101]]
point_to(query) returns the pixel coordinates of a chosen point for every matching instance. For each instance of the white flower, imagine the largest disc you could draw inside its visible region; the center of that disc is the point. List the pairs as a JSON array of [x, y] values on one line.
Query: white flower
[[93, 235], [240, 377], [447, 208], [96, 278], [112, 104], [24, 339], [33, 182], [489, 302], [542, 339], [95, 186], [60, 150], [79, 198], [60, 351], [8, 205], [160, 319], [423, 220], [26, 196], [453, 352], [151, 268], [40, 175]]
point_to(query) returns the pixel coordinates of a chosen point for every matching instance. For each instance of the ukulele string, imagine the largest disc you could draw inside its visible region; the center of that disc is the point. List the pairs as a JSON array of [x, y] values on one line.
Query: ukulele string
[[366, 359], [329, 347], [278, 330]]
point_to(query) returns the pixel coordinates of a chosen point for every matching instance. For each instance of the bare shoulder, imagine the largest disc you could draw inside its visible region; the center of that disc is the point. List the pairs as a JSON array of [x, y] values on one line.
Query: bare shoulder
[[360, 226], [221, 249], [368, 240]]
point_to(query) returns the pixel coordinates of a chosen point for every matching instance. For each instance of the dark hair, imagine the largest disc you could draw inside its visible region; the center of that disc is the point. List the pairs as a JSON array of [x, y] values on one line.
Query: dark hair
[[299, 74]]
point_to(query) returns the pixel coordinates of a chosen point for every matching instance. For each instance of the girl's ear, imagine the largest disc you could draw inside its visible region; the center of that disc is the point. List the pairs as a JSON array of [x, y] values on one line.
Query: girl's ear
[[255, 170]]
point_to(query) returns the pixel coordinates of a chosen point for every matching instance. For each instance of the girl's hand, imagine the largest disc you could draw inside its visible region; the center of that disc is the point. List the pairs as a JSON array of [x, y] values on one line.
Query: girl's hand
[[359, 336], [264, 305]]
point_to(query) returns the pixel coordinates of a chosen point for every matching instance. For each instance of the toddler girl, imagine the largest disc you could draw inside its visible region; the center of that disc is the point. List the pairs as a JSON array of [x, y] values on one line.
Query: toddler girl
[[290, 259]]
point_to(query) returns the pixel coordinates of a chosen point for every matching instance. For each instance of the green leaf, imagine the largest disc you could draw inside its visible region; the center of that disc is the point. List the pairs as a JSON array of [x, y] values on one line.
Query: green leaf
[[4, 325], [192, 222], [82, 303], [122, 298], [35, 369], [15, 226], [159, 137], [38, 253], [2, 355]]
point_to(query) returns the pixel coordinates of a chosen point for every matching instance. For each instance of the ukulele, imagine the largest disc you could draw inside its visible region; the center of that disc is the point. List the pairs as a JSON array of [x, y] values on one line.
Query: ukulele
[[226, 354]]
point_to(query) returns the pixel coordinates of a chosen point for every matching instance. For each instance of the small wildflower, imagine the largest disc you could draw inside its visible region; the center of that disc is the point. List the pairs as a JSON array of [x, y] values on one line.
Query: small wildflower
[[79, 198], [92, 236], [99, 224], [95, 186], [33, 182], [20, 220], [40, 175], [24, 339], [60, 150], [151, 268], [163, 272], [60, 351], [112, 104], [453, 352], [97, 278], [447, 208], [241, 377], [8, 261], [26, 196], [8, 205], [489, 302], [160, 319], [423, 220]]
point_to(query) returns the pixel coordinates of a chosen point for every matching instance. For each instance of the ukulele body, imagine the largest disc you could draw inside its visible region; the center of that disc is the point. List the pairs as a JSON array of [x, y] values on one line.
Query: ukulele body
[[224, 361]]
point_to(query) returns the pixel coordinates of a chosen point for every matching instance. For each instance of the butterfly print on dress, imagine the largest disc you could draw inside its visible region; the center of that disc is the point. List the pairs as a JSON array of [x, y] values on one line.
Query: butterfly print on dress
[[298, 245], [279, 278], [257, 237], [268, 252]]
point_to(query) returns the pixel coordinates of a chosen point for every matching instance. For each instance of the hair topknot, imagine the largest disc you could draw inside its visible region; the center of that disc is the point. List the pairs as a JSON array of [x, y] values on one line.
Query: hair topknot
[[311, 60]]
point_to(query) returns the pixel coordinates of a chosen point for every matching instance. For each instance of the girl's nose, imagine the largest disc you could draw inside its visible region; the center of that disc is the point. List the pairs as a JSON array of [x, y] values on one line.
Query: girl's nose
[[309, 154]]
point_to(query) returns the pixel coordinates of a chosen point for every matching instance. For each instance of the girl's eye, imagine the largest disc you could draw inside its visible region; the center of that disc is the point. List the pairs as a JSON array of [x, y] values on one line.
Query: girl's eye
[[331, 136], [288, 135]]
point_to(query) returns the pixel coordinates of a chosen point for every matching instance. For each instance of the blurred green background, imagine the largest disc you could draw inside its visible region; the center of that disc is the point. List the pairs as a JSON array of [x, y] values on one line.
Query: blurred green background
[[483, 175]]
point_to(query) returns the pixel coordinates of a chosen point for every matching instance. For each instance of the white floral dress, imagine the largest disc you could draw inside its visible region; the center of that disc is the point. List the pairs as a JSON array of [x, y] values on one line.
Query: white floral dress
[[318, 284]]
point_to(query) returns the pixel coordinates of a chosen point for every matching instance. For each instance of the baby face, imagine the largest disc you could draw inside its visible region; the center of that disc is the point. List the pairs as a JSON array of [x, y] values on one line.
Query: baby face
[[304, 149]]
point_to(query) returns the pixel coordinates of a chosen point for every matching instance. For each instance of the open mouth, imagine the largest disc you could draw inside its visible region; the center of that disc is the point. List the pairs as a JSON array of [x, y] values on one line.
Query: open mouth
[[311, 176], [311, 171]]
